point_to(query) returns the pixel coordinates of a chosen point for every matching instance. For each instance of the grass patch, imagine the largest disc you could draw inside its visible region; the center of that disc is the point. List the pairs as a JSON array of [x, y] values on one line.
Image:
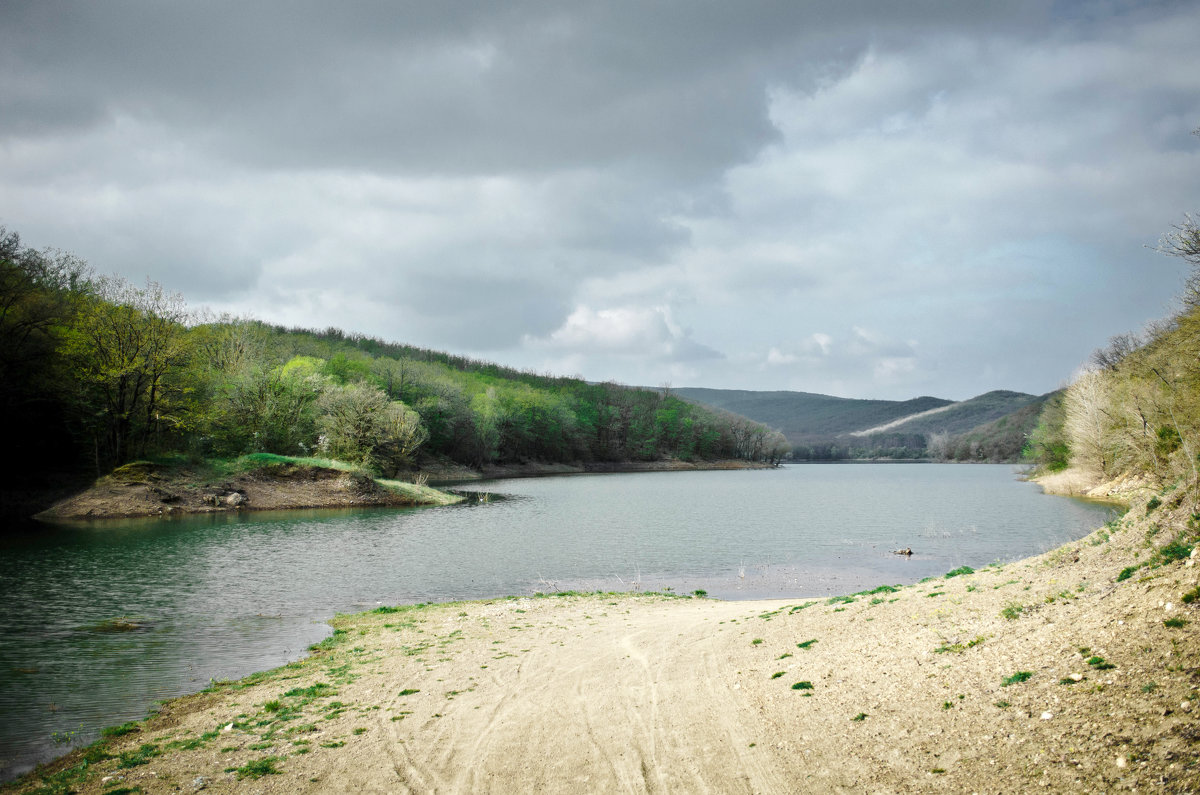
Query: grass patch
[[1099, 663], [141, 756], [959, 648], [319, 690], [808, 644], [756, 641], [1175, 623], [960, 571], [257, 769], [806, 685], [1191, 596], [1019, 676], [778, 674], [1012, 611], [839, 600], [859, 717], [119, 731], [408, 691]]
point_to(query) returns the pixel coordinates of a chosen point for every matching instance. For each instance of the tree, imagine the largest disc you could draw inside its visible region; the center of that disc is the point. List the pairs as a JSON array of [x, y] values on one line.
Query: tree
[[126, 345], [360, 425]]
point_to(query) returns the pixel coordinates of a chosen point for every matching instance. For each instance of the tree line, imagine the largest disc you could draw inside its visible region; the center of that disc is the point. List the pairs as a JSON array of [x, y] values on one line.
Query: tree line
[[97, 372]]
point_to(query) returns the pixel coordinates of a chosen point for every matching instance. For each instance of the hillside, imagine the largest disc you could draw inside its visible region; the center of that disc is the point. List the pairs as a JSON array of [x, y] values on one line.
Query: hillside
[[805, 415], [990, 427], [966, 415], [96, 373]]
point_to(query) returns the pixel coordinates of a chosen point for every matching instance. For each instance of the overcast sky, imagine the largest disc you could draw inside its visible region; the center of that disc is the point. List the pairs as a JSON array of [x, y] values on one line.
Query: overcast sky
[[868, 199]]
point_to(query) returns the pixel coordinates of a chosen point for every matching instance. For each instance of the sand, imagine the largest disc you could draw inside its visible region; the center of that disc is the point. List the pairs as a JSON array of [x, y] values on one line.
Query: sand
[[939, 686]]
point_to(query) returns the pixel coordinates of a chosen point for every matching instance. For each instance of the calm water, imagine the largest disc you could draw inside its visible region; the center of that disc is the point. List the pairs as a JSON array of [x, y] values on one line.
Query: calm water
[[223, 597]]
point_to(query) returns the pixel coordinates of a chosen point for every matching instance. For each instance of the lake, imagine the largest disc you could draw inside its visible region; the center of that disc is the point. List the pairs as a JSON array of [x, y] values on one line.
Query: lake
[[217, 597]]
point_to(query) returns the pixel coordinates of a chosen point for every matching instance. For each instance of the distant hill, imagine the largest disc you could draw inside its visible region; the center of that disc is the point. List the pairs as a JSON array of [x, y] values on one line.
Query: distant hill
[[805, 415], [965, 415], [991, 426]]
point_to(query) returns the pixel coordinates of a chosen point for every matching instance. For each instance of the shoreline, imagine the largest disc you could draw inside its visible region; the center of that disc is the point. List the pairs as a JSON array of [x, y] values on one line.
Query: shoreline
[[1073, 670], [141, 490]]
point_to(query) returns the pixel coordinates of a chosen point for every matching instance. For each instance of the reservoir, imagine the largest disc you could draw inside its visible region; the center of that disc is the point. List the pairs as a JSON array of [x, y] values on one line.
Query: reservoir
[[101, 620]]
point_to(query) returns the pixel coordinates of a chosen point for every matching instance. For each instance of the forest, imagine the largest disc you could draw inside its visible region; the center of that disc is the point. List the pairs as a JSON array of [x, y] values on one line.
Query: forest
[[96, 372]]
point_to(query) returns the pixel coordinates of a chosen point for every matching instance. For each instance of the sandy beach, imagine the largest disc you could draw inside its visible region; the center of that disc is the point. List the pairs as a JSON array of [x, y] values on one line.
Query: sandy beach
[[1049, 673]]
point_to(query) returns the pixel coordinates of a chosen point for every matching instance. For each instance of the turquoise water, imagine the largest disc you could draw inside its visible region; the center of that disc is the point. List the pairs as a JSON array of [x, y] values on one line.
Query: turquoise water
[[221, 597]]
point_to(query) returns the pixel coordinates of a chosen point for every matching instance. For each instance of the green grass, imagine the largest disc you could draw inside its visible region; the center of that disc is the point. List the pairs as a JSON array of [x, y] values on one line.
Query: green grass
[[1191, 596], [119, 731], [961, 570], [1019, 676], [959, 648], [859, 717], [808, 644], [257, 769], [141, 756], [408, 691], [778, 674], [1175, 623], [1099, 663], [1012, 611], [803, 686], [319, 690]]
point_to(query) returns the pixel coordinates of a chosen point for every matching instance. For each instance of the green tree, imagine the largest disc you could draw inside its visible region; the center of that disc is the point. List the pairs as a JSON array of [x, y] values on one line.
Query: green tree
[[126, 346]]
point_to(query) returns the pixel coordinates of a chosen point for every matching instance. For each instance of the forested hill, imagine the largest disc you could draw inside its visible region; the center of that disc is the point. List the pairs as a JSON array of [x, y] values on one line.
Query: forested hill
[[804, 415], [95, 372], [991, 427]]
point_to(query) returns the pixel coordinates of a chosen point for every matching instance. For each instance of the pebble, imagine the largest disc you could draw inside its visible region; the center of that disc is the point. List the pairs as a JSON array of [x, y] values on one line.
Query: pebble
[[228, 728], [1121, 761], [1047, 715], [1186, 706], [1075, 677]]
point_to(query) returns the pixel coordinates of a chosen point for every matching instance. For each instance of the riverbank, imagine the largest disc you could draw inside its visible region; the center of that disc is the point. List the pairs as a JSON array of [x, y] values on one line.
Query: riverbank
[[1075, 670], [252, 483], [266, 483], [449, 472]]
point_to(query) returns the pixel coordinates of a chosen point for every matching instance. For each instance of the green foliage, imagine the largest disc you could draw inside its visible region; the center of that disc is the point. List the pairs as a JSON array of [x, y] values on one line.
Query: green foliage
[[802, 686], [1191, 596], [1126, 573], [1047, 446], [961, 570], [1019, 676], [116, 373]]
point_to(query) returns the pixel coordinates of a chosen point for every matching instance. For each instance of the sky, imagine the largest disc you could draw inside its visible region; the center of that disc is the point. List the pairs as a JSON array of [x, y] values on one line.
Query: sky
[[861, 198]]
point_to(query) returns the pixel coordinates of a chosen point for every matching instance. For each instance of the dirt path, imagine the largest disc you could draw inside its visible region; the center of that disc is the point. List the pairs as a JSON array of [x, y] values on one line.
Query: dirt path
[[1052, 673]]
